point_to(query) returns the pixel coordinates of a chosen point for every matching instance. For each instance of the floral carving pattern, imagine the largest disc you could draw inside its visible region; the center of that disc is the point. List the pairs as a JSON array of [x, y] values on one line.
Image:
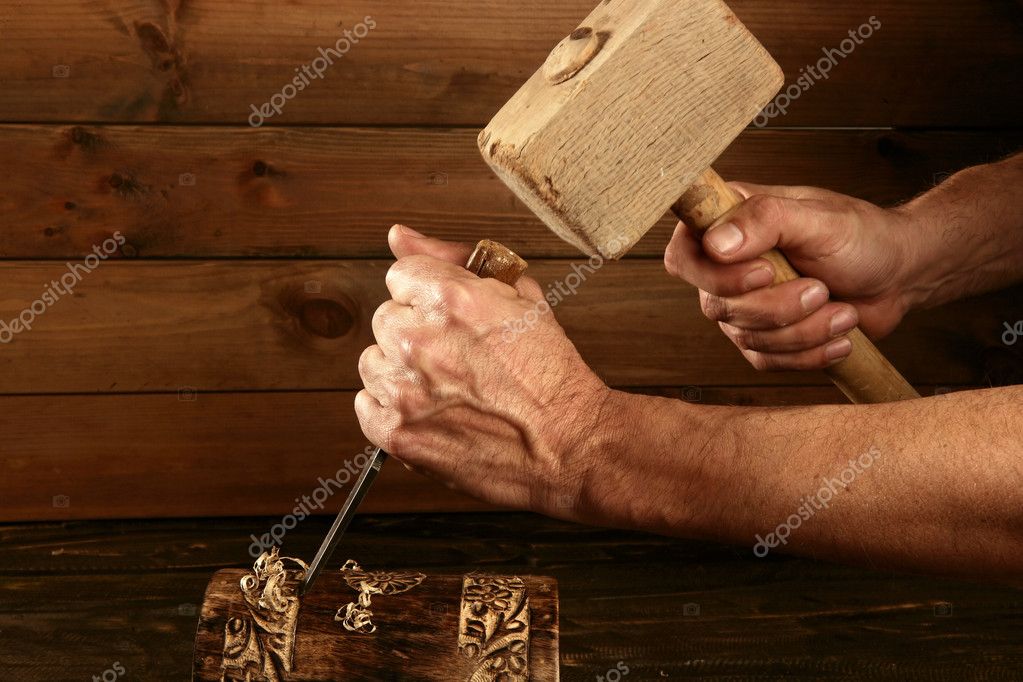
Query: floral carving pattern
[[262, 647], [494, 628], [357, 616]]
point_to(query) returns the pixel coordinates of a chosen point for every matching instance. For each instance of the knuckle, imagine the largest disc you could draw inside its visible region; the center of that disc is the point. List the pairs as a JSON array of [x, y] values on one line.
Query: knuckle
[[397, 440], [414, 349], [714, 307], [680, 261], [747, 339], [773, 313], [777, 317], [669, 260], [381, 314], [365, 360], [405, 402], [802, 336], [405, 268], [454, 297], [385, 325], [675, 258], [362, 406], [760, 361], [765, 209], [396, 271], [815, 359], [392, 272], [407, 264]]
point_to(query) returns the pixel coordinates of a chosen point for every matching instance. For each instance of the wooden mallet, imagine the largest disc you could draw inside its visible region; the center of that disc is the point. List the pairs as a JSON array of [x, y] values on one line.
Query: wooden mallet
[[623, 122]]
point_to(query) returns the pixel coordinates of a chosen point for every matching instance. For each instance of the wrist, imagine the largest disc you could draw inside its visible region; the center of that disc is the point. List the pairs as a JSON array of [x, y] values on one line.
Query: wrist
[[593, 430], [965, 233], [926, 268], [654, 464], [915, 243]]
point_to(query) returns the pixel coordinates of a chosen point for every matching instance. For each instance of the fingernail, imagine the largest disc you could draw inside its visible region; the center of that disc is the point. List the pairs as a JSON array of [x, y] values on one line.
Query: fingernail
[[814, 297], [838, 350], [843, 321], [725, 238], [760, 277], [410, 232]]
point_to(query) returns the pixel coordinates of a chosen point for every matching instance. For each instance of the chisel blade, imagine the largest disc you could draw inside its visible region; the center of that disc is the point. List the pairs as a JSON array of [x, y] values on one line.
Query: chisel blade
[[344, 519]]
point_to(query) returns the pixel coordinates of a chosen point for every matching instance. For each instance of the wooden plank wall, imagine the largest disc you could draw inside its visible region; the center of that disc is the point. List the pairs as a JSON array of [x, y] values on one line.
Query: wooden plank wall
[[208, 367]]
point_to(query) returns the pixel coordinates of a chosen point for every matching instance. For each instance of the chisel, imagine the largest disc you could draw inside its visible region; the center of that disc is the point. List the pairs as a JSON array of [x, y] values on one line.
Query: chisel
[[491, 260]]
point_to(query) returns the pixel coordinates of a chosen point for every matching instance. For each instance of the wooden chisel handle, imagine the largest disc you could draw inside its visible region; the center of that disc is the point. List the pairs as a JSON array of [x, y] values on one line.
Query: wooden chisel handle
[[865, 376], [496, 261]]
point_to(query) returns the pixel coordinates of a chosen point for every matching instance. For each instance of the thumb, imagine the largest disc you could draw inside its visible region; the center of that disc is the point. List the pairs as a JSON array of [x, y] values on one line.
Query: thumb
[[765, 222], [404, 241]]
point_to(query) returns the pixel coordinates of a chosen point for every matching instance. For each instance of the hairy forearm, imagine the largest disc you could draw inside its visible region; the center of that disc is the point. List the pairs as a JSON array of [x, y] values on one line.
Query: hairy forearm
[[933, 485], [966, 235]]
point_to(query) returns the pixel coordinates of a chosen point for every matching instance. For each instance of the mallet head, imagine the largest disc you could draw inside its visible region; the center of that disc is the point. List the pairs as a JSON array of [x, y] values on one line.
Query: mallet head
[[625, 114]]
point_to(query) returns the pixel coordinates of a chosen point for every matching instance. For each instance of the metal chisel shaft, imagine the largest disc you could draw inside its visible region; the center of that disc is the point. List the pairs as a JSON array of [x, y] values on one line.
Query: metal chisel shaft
[[344, 519]]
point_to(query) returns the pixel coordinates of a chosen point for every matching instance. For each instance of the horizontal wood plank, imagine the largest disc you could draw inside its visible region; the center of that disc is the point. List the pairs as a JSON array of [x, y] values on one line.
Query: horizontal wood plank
[[196, 455], [432, 541], [78, 597], [133, 326], [438, 62], [333, 192], [228, 454]]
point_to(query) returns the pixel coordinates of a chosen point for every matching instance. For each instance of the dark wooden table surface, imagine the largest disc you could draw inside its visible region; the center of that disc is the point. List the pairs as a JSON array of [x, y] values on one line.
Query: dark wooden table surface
[[79, 599]]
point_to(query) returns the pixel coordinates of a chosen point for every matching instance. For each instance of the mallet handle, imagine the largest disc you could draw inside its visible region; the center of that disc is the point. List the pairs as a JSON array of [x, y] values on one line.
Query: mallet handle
[[865, 376]]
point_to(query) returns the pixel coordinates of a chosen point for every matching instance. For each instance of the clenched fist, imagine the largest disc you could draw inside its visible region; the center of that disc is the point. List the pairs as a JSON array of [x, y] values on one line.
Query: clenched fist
[[856, 260], [504, 417]]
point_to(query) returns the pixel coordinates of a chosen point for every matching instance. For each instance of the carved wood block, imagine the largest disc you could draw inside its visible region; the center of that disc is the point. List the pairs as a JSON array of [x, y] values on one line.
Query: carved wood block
[[361, 624]]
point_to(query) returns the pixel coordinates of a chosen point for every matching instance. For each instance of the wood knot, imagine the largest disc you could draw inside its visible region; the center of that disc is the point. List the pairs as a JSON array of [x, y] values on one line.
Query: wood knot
[[314, 312], [126, 185], [572, 54], [326, 318], [85, 139], [166, 59], [262, 169]]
